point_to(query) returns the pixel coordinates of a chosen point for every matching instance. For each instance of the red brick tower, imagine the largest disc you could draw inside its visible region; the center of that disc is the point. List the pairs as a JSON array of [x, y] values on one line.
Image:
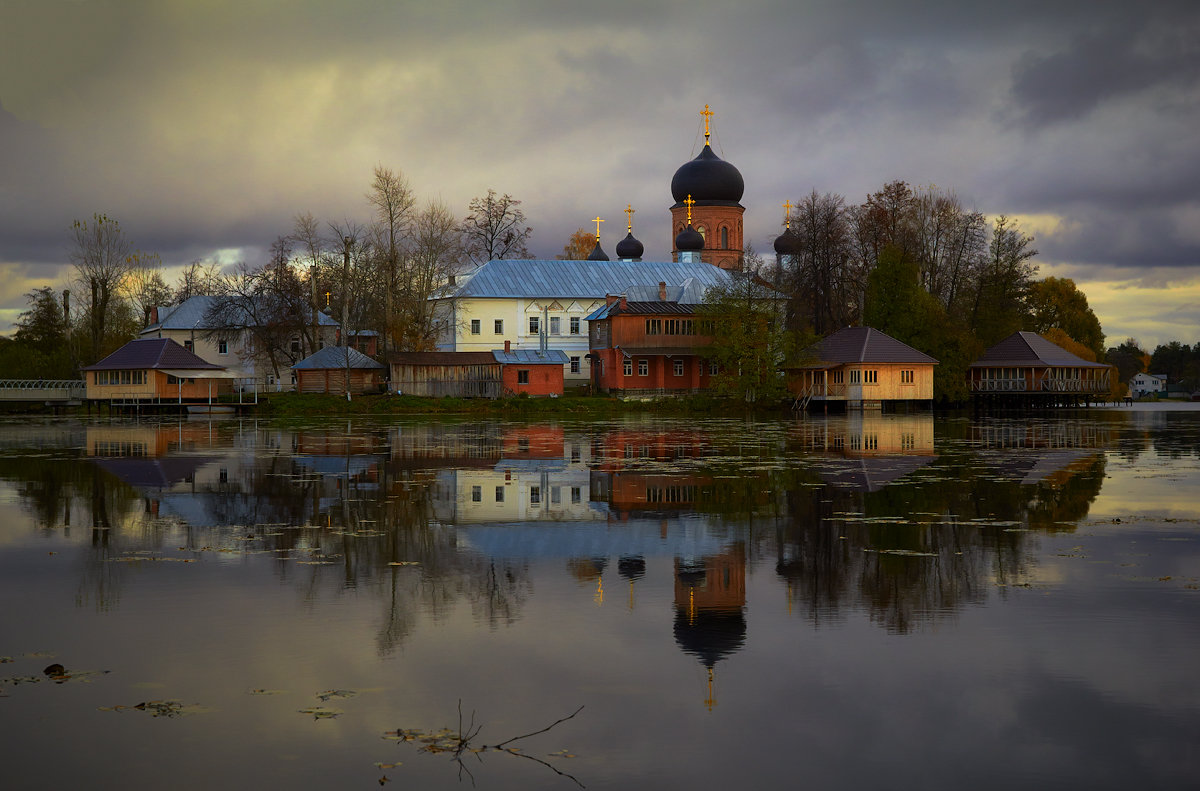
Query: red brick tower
[[715, 188]]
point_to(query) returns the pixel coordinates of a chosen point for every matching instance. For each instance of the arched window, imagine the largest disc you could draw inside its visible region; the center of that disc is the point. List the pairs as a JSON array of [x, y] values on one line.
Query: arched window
[[724, 238], [703, 233]]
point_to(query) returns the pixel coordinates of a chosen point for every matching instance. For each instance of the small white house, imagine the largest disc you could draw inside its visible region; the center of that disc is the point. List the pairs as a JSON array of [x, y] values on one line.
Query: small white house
[[1148, 384]]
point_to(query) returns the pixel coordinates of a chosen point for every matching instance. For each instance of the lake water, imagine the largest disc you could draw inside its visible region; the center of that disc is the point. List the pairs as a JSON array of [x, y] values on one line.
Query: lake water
[[844, 602]]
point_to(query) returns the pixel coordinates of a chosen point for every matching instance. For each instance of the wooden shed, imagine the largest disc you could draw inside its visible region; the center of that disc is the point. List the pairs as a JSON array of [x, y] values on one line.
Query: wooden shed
[[327, 371], [438, 374], [155, 370]]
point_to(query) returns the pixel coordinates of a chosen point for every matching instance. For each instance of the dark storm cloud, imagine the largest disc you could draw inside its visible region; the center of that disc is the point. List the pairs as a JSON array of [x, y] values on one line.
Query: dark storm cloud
[[1133, 54], [207, 130]]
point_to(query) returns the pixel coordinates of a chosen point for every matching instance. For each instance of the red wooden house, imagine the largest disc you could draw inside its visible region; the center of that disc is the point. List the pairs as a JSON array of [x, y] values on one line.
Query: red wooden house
[[649, 346]]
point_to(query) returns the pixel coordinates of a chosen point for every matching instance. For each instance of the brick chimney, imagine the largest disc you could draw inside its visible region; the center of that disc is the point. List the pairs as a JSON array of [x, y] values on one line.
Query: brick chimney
[[624, 304], [662, 291], [507, 347], [609, 299]]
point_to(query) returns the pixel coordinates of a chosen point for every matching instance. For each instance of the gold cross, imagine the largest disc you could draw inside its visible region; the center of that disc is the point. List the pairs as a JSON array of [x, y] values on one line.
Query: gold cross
[[689, 203], [327, 293], [629, 211], [787, 214], [707, 113], [597, 221]]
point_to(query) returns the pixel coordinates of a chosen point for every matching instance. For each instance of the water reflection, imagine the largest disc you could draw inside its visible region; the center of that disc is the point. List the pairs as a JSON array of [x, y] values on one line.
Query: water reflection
[[869, 512], [668, 566]]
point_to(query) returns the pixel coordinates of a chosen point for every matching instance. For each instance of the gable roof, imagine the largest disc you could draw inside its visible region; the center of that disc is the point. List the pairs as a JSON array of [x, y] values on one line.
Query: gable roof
[[335, 357], [866, 345], [1029, 348], [152, 353], [539, 278], [189, 315]]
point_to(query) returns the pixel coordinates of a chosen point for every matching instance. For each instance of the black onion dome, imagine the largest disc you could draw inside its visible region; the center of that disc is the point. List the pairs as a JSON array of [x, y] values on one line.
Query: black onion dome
[[597, 254], [689, 239], [710, 635], [629, 247], [787, 243], [708, 179]]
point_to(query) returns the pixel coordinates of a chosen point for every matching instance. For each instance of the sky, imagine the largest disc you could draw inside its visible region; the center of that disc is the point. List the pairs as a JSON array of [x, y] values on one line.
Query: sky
[[204, 127]]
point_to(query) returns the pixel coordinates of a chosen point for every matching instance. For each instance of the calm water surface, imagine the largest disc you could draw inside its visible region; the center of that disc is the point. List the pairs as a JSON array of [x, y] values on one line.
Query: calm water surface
[[849, 602]]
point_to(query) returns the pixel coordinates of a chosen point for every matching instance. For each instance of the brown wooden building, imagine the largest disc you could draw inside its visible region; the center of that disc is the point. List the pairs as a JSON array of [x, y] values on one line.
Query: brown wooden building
[[1027, 369], [329, 370], [155, 371], [863, 368]]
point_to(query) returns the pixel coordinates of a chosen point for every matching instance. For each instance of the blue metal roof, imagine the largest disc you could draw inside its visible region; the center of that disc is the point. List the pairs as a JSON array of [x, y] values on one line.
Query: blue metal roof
[[531, 357], [189, 315], [544, 279]]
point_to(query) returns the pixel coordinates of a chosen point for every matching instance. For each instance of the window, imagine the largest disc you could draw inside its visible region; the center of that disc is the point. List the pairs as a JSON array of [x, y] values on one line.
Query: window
[[523, 377], [653, 326], [704, 233], [838, 377], [477, 494], [555, 325], [499, 494], [187, 345], [870, 377], [223, 475], [855, 376], [679, 367], [679, 327], [643, 367], [628, 367], [499, 326], [724, 238], [296, 345], [535, 495], [576, 495], [535, 325], [575, 365], [575, 454], [474, 326], [906, 377], [555, 495], [574, 325], [222, 347], [712, 369]]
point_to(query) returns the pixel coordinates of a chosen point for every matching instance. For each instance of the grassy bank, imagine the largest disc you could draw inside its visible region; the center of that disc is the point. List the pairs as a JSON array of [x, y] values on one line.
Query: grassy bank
[[302, 405]]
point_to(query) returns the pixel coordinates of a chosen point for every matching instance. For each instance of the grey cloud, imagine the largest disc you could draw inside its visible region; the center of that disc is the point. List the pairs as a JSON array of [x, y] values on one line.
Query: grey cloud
[[1135, 54]]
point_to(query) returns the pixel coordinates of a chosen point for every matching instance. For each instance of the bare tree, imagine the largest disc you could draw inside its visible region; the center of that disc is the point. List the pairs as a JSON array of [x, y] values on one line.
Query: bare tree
[[101, 255], [198, 279], [437, 248], [495, 228], [393, 200], [145, 286]]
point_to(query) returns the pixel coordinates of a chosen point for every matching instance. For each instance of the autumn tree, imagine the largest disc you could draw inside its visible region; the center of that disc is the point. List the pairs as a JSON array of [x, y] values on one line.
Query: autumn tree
[[750, 340], [1057, 303], [579, 246], [101, 257], [495, 228]]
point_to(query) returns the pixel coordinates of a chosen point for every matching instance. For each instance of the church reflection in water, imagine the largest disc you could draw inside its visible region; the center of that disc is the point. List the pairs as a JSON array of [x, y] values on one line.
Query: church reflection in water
[[870, 513]]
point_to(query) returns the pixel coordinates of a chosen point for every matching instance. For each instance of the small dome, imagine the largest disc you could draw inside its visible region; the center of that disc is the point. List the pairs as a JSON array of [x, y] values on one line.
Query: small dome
[[597, 254], [787, 243], [629, 247], [708, 179], [689, 239]]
